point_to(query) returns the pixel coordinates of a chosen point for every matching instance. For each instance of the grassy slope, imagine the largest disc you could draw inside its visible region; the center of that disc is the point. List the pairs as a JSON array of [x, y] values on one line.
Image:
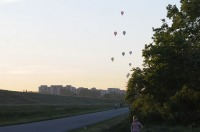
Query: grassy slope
[[23, 98], [18, 107]]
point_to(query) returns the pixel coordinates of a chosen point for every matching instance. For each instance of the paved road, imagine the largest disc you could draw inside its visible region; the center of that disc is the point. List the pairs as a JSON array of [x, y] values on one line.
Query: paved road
[[64, 124]]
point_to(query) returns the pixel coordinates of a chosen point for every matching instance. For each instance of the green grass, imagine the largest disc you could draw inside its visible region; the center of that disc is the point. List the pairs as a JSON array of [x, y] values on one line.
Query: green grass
[[169, 129], [122, 124], [103, 126], [29, 113], [19, 98], [18, 107]]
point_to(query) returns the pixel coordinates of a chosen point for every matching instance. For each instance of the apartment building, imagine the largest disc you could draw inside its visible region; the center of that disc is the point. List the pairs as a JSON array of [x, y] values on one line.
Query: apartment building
[[81, 91]]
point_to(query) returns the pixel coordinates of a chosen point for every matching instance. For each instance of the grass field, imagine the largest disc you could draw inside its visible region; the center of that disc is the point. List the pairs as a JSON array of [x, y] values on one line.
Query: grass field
[[23, 98], [104, 126], [18, 107]]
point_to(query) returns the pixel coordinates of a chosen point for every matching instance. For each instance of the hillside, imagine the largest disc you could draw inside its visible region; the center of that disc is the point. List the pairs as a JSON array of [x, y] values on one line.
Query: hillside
[[24, 107], [24, 98]]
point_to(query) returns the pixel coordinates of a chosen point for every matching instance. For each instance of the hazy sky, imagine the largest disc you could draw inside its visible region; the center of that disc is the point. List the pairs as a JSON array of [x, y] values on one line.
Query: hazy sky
[[71, 42]]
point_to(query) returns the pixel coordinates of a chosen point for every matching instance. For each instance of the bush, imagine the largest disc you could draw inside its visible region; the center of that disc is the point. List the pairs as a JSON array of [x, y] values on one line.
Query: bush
[[146, 108], [181, 109], [184, 107]]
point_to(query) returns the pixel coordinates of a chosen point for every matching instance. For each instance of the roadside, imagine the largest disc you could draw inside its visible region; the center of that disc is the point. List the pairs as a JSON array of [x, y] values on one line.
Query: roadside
[[103, 126]]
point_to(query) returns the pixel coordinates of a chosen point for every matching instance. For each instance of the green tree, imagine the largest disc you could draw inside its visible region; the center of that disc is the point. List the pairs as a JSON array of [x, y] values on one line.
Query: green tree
[[135, 85], [171, 61], [184, 107]]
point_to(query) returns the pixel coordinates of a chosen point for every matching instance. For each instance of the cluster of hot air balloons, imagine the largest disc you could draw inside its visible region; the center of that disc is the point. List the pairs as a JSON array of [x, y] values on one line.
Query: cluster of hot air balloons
[[124, 33], [123, 53]]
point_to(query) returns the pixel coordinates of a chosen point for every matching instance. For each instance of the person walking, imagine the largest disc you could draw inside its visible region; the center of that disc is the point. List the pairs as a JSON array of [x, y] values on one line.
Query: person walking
[[136, 126]]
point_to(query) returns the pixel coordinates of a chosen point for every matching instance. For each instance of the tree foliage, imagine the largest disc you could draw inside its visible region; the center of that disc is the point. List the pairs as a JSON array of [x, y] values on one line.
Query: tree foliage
[[135, 85], [172, 60], [184, 106]]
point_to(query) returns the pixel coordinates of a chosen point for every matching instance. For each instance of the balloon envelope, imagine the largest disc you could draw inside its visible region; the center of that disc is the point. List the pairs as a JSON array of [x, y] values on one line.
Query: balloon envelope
[[124, 32], [130, 52], [112, 59], [122, 13], [123, 53], [115, 33], [128, 74]]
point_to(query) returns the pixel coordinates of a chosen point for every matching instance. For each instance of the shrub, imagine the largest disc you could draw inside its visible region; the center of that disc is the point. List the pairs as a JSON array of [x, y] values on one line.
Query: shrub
[[146, 108], [184, 107]]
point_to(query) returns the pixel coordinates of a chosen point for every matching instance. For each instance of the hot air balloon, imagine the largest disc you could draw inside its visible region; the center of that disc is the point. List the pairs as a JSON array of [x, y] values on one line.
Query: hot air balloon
[[130, 52], [122, 13], [115, 33], [123, 53], [124, 32], [128, 74], [112, 59], [130, 64]]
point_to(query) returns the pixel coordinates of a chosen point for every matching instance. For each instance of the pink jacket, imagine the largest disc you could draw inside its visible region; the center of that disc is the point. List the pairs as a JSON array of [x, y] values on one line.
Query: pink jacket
[[135, 126]]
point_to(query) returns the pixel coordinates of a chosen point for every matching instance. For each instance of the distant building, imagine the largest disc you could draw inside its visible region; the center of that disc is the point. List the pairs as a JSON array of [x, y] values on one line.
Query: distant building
[[103, 92], [69, 90], [81, 91], [44, 89], [56, 89], [93, 89], [95, 93], [113, 90], [122, 92]]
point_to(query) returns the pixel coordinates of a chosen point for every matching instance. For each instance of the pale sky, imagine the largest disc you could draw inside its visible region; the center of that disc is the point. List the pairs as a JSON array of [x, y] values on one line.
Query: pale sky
[[71, 42]]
